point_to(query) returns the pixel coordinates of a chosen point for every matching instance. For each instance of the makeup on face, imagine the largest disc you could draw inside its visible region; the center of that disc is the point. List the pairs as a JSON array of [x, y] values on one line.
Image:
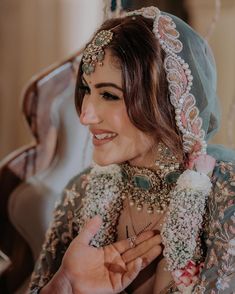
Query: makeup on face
[[115, 139]]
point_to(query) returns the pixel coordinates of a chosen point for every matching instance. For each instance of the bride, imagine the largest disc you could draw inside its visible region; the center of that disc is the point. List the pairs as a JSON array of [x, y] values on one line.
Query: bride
[[155, 214]]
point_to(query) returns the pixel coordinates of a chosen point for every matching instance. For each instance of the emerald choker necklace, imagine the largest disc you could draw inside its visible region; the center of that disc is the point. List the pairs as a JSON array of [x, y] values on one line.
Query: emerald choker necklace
[[146, 188]]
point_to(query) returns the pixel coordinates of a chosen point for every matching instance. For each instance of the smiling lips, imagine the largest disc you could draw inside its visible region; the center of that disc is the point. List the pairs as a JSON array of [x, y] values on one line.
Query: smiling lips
[[101, 137]]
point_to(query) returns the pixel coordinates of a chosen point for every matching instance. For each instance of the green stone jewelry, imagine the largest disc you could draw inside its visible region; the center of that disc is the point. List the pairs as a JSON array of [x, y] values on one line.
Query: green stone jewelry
[[144, 186], [94, 52]]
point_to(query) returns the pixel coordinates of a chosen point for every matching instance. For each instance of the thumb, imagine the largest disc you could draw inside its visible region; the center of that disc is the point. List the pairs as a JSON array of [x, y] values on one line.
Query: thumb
[[89, 230]]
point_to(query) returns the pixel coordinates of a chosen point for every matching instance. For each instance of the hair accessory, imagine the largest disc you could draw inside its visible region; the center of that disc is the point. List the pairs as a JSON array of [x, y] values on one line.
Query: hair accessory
[[179, 80], [94, 52]]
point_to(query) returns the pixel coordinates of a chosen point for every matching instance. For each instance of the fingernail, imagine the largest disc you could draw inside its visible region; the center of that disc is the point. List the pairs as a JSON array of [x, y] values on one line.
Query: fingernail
[[144, 262]]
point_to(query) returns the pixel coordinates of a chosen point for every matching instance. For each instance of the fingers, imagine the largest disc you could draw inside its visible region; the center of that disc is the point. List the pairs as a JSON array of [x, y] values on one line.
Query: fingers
[[150, 255], [135, 266], [89, 230], [136, 259], [133, 270], [124, 245], [143, 249]]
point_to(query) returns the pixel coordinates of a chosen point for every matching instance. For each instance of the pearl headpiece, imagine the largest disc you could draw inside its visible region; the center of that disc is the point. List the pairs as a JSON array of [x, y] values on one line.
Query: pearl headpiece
[[179, 80]]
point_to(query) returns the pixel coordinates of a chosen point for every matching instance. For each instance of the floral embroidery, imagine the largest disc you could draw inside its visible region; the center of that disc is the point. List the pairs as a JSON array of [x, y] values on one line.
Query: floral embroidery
[[59, 235], [218, 274]]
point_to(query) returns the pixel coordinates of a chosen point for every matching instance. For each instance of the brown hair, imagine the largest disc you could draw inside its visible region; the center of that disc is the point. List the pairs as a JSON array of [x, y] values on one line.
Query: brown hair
[[144, 82]]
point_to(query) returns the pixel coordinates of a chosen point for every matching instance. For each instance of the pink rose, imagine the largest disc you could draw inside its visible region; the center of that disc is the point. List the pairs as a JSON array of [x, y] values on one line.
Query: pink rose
[[188, 276], [203, 163]]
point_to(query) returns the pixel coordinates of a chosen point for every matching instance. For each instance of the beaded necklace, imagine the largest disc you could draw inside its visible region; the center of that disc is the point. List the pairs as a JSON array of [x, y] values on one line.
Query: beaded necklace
[[144, 186]]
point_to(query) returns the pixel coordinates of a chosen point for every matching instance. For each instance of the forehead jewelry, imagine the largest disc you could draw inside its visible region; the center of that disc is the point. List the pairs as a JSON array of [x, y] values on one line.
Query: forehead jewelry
[[94, 52]]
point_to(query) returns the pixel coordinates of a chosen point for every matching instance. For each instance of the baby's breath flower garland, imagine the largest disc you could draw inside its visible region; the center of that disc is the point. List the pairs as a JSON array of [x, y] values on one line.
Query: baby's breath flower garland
[[103, 198], [184, 218]]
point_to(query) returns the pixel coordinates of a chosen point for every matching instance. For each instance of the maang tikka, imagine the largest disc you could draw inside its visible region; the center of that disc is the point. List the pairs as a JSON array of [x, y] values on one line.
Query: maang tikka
[[94, 52]]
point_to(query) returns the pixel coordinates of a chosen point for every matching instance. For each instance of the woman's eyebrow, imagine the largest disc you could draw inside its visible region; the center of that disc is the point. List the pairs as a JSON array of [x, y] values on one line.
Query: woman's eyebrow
[[101, 85]]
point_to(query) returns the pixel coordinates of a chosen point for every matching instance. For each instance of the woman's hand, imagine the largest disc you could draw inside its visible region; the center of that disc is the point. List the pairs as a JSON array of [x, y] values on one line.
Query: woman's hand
[[89, 270]]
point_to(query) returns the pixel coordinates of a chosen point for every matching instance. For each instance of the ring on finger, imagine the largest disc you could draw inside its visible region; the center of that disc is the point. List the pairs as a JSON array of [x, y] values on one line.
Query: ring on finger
[[132, 243]]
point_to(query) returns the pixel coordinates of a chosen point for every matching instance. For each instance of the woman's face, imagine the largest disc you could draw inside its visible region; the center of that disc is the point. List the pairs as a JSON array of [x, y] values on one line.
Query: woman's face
[[115, 138]]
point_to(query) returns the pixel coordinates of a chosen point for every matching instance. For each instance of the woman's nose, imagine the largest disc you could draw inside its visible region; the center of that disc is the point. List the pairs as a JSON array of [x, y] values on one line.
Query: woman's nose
[[89, 114]]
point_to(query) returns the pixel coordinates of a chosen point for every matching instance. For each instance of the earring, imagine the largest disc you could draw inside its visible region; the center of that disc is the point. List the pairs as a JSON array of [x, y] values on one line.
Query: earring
[[168, 166]]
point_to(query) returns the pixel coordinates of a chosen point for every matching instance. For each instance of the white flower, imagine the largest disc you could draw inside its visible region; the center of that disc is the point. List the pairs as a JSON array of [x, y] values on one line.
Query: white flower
[[112, 170], [193, 180], [179, 234], [103, 198]]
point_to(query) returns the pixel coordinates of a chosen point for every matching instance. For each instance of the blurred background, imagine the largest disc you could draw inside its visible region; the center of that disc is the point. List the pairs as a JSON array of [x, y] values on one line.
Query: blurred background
[[36, 33]]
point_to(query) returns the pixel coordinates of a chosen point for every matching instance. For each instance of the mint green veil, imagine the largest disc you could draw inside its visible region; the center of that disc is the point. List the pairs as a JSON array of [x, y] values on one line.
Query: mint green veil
[[197, 53]]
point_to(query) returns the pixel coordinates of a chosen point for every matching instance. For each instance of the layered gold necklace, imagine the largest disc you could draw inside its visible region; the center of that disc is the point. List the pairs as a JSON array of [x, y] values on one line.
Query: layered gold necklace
[[145, 187]]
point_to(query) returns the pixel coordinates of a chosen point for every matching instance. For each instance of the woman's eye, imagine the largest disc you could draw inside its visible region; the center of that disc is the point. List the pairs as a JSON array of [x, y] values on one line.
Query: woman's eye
[[85, 89], [109, 96]]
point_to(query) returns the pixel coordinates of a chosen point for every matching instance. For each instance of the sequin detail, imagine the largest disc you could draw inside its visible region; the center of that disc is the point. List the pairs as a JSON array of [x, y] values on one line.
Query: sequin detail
[[180, 80]]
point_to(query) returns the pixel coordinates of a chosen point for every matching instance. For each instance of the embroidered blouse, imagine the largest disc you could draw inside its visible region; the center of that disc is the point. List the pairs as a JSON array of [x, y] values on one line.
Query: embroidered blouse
[[218, 273]]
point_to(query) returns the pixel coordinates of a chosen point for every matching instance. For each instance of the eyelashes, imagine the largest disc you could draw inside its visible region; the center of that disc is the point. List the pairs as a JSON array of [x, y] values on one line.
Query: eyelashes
[[108, 96], [85, 90]]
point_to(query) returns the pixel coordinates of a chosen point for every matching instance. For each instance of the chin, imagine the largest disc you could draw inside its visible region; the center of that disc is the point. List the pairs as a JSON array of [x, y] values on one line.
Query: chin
[[102, 163], [105, 161]]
